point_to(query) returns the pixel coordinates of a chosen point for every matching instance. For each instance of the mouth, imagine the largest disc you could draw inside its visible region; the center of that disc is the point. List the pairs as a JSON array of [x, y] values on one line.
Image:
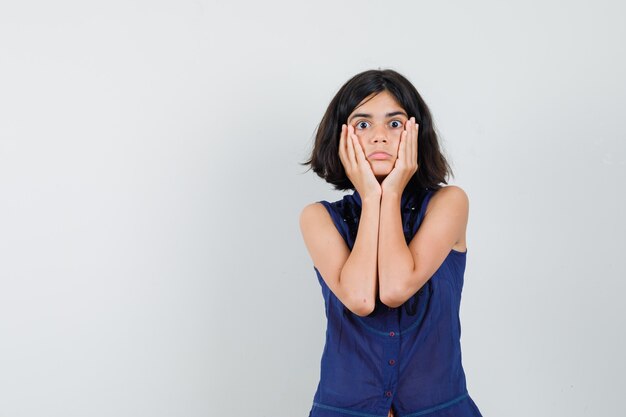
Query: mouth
[[378, 155]]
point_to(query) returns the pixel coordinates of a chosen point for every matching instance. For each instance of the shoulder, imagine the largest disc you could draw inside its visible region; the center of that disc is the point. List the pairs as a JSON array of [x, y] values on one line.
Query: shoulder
[[449, 198], [450, 192], [313, 214]]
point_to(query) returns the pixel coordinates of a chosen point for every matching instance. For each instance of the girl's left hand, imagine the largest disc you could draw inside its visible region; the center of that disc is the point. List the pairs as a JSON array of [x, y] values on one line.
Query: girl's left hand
[[406, 164]]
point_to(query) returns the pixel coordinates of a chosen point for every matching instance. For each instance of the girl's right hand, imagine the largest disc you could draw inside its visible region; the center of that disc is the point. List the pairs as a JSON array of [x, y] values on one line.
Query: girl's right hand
[[357, 168]]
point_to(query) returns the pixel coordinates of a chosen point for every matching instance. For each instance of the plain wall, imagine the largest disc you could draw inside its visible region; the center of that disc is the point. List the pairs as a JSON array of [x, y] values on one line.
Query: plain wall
[[150, 190]]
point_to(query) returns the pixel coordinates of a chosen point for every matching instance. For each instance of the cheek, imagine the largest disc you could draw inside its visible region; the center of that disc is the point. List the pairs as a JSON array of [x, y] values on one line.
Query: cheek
[[395, 140]]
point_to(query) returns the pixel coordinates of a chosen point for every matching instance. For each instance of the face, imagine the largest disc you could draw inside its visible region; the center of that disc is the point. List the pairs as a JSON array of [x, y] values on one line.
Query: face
[[378, 122]]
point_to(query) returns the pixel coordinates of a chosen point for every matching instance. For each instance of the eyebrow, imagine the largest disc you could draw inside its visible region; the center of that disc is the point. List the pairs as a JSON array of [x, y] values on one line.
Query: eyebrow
[[395, 113]]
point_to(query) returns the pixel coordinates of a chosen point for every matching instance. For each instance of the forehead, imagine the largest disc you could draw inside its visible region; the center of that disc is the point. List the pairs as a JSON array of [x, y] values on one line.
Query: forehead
[[382, 102]]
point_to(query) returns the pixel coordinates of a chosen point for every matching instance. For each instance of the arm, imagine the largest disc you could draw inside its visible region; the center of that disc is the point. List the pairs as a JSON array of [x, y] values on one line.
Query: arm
[[403, 269], [350, 275]]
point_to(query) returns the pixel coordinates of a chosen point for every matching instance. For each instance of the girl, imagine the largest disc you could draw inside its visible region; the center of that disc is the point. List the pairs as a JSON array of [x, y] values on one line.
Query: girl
[[390, 257]]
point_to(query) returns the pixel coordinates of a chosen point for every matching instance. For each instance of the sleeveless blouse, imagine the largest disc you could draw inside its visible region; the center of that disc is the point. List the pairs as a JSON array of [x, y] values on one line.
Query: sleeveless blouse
[[408, 357]]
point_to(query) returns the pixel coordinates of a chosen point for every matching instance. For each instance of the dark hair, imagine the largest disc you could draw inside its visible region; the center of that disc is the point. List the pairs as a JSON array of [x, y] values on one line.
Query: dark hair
[[433, 168]]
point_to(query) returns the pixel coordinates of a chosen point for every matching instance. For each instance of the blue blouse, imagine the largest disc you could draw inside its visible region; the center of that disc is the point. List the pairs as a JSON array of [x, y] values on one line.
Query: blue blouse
[[408, 357]]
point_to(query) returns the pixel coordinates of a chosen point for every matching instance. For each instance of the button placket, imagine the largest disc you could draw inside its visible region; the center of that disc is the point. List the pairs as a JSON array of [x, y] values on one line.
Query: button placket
[[391, 350]]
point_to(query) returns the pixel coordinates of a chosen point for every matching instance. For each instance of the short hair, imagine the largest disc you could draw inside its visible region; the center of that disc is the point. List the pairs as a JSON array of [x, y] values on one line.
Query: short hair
[[433, 168]]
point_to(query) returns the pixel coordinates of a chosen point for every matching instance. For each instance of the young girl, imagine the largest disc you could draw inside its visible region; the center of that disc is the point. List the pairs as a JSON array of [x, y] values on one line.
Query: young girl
[[390, 257]]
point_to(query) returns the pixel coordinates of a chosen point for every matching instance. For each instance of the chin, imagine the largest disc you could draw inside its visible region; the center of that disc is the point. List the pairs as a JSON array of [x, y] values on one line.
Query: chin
[[381, 172]]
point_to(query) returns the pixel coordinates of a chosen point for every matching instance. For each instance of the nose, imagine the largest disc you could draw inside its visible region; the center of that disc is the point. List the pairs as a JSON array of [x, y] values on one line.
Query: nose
[[379, 134]]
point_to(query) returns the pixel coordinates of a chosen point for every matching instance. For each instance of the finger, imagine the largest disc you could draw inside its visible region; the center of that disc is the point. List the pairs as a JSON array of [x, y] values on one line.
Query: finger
[[360, 156], [406, 150], [402, 147], [415, 151], [350, 139], [358, 150], [411, 145], [342, 145]]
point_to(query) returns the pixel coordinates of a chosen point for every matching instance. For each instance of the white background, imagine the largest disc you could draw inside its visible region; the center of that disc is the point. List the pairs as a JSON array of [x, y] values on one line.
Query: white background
[[151, 262]]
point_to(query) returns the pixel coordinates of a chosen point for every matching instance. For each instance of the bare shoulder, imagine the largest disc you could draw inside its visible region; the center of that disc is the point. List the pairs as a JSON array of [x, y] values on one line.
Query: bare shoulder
[[315, 220], [313, 214], [450, 197]]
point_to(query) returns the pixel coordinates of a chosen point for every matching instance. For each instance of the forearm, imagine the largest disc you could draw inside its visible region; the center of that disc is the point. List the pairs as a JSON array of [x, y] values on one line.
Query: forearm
[[359, 273], [395, 261]]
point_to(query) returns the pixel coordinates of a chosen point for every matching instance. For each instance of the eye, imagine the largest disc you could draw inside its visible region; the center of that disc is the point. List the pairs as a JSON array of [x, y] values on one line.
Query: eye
[[362, 125], [395, 124]]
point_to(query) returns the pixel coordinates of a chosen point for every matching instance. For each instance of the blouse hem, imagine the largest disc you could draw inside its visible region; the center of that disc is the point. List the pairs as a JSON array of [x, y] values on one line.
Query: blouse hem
[[324, 410]]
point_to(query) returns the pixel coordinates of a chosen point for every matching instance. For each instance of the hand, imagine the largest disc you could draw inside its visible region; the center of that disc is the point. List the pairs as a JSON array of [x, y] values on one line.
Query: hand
[[357, 168], [406, 164]]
